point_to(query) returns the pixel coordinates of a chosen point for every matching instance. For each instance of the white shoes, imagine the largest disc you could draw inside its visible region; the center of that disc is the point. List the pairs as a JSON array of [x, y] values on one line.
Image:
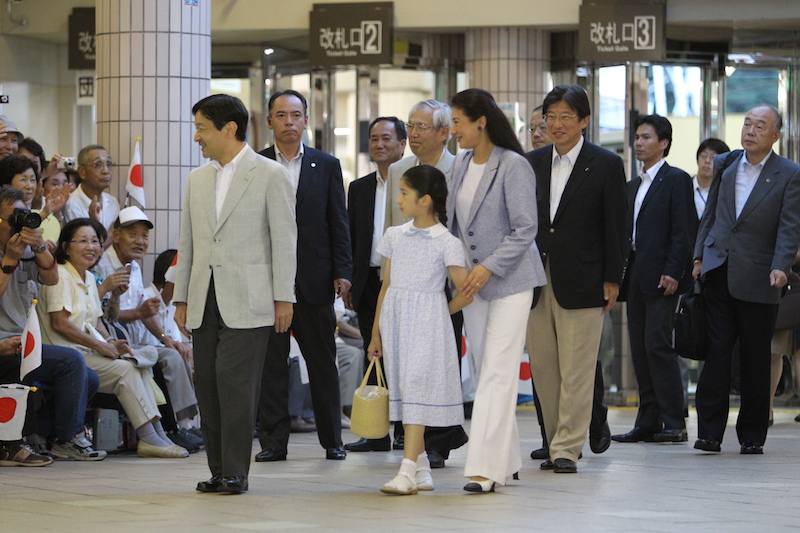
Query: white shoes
[[167, 452], [402, 484], [424, 479]]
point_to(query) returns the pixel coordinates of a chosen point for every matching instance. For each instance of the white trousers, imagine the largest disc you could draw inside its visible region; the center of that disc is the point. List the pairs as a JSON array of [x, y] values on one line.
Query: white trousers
[[496, 333]]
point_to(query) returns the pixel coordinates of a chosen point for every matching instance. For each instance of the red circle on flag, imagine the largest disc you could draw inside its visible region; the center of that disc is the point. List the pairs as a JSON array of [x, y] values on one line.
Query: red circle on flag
[[8, 406], [525, 371], [136, 175], [30, 344]]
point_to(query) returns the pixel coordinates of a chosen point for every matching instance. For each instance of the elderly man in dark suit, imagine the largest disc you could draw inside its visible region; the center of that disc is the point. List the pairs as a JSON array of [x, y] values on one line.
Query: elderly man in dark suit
[[748, 238], [324, 264], [661, 220], [582, 239]]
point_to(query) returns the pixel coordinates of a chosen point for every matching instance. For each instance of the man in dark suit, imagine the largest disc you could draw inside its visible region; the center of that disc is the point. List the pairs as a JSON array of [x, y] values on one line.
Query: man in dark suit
[[661, 220], [324, 264], [366, 209], [748, 238], [583, 242]]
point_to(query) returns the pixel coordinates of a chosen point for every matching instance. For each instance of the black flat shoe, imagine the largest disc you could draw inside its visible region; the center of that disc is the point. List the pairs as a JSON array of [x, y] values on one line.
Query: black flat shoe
[[335, 454], [547, 465], [541, 453], [751, 448], [708, 445], [209, 486], [233, 485], [635, 435], [565, 466], [370, 445], [268, 455], [436, 459], [672, 435]]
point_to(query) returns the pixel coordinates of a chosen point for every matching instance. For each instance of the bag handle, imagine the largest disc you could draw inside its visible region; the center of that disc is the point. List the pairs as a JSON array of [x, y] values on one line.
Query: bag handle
[[376, 364]]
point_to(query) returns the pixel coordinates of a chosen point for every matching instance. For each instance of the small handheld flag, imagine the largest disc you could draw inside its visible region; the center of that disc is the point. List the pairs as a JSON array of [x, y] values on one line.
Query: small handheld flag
[[31, 344], [135, 185]]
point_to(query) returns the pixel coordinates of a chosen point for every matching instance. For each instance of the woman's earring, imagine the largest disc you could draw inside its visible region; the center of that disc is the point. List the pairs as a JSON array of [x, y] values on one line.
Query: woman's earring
[[480, 128]]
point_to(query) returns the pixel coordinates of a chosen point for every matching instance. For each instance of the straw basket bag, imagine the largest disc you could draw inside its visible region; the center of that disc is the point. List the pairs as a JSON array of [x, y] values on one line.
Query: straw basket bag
[[370, 416]]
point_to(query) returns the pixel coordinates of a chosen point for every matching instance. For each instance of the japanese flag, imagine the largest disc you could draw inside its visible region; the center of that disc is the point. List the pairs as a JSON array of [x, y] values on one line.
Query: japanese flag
[[31, 344], [135, 185], [13, 405]]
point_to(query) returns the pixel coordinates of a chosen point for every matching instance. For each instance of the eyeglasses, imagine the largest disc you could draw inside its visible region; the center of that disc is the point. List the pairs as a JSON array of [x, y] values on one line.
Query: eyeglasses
[[419, 126], [551, 117], [541, 128], [84, 243], [98, 166]]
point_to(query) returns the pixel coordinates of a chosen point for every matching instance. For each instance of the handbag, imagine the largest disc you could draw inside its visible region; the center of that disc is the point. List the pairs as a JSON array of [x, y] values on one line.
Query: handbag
[[789, 307], [691, 329], [370, 416]]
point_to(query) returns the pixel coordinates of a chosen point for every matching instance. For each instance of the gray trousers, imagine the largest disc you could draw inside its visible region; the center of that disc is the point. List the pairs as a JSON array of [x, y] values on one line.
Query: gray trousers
[[228, 366]]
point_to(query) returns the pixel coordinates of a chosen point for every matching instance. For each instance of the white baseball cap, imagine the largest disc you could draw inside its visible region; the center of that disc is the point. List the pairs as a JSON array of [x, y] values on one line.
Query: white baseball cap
[[131, 215]]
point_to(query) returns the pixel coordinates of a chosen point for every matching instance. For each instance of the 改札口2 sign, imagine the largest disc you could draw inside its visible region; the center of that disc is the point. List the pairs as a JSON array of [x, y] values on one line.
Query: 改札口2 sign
[[622, 32], [351, 34]]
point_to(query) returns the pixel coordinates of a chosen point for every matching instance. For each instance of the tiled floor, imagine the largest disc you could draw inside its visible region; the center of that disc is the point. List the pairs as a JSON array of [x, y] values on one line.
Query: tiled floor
[[631, 487]]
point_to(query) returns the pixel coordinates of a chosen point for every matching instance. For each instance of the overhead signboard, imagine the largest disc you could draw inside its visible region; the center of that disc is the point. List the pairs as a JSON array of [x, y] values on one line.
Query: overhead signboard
[[622, 31], [352, 34], [82, 50]]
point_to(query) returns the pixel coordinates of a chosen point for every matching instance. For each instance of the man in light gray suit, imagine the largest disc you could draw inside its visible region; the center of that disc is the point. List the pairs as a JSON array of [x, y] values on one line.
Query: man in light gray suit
[[428, 128], [234, 281], [747, 241]]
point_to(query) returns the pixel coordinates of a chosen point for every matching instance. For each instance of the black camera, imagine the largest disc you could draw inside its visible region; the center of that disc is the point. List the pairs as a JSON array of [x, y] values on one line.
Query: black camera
[[24, 218]]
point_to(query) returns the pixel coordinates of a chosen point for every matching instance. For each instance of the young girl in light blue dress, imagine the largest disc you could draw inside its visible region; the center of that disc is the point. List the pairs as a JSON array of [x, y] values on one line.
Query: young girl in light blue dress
[[412, 330]]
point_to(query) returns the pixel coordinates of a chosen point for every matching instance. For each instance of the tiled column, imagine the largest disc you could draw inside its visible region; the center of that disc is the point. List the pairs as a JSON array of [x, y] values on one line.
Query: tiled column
[[513, 64], [153, 64]]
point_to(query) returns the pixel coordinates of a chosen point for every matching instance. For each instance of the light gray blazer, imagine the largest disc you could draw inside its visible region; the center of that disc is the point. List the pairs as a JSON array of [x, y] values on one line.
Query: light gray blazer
[[396, 170], [766, 235], [500, 232], [250, 249]]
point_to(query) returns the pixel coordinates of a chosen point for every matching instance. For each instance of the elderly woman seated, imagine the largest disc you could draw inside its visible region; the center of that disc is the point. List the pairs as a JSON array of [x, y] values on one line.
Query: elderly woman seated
[[70, 313]]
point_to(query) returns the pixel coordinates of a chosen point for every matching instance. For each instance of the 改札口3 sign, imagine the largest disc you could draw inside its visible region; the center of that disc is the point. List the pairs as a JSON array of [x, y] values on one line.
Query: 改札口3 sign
[[622, 32], [351, 34]]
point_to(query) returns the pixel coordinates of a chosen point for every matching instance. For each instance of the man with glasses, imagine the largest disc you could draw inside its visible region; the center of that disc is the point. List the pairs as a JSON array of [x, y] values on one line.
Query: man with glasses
[[746, 244], [428, 129], [583, 242], [538, 130], [89, 199]]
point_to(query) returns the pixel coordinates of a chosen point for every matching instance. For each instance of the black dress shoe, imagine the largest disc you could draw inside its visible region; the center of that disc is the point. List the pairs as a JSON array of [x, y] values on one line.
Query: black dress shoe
[[399, 442], [268, 455], [708, 445], [601, 440], [672, 435], [751, 448], [335, 454], [541, 453], [635, 435], [233, 485], [211, 485], [436, 459], [565, 466], [547, 465], [370, 445]]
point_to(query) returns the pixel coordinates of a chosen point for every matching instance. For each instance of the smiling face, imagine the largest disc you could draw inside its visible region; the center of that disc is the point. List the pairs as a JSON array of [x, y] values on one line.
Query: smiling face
[[25, 182], [384, 148], [83, 250], [466, 132], [426, 141], [131, 241], [287, 119], [9, 144], [564, 126]]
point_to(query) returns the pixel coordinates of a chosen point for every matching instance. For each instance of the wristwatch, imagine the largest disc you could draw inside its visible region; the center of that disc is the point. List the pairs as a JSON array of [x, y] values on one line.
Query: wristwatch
[[8, 269], [40, 249]]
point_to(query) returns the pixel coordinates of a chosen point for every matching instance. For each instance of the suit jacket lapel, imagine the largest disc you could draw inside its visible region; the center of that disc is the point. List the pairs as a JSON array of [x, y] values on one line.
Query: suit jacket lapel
[[307, 168], [657, 182], [768, 177], [580, 170], [489, 172], [543, 178], [729, 191], [208, 195], [239, 183]]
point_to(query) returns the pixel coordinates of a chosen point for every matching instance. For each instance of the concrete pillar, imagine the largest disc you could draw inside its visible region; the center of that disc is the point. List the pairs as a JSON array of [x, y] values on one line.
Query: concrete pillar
[[153, 64], [513, 64]]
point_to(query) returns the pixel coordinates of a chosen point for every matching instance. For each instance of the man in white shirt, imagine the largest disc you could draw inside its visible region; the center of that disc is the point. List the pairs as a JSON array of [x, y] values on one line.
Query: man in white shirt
[[89, 199]]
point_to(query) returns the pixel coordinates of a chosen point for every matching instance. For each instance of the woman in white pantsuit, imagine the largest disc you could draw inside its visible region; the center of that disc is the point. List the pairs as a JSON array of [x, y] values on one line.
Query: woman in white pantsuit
[[492, 203]]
